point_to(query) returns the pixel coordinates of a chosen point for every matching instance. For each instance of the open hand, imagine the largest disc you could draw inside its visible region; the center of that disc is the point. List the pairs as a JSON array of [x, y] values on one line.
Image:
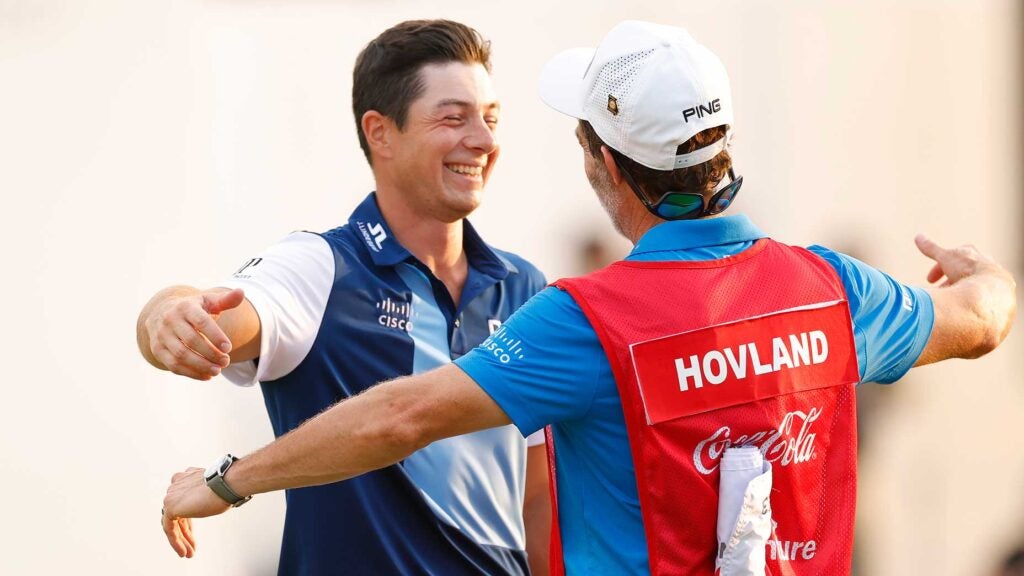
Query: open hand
[[954, 264], [188, 497], [184, 335]]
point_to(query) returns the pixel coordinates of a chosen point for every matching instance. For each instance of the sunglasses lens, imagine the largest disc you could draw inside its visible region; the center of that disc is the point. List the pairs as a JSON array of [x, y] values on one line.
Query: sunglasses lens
[[722, 200], [676, 206]]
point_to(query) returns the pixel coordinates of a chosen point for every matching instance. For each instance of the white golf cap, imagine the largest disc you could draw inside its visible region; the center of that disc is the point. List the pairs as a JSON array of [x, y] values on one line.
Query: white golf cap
[[645, 89]]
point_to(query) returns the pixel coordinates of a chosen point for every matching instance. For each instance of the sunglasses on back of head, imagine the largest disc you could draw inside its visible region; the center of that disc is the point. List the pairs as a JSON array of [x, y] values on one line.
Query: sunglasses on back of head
[[688, 205]]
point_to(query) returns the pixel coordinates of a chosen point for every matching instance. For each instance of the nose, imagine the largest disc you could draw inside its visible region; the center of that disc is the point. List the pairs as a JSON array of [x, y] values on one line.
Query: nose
[[481, 137]]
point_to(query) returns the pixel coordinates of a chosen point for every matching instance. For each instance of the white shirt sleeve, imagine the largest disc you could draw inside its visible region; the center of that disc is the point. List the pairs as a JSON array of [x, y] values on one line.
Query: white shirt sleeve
[[288, 285]]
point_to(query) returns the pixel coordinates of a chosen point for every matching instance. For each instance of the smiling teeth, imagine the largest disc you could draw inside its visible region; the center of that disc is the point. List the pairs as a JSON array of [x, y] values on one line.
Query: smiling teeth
[[468, 170]]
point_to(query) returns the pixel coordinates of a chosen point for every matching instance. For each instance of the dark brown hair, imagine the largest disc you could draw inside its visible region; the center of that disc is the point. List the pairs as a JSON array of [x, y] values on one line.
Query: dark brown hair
[[387, 72], [700, 179]]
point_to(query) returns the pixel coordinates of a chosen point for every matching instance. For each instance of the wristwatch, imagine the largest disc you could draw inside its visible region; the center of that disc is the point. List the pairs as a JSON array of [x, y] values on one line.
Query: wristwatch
[[215, 480]]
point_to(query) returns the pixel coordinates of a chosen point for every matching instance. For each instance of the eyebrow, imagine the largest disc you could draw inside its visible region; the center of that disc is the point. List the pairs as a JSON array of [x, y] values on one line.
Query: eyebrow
[[464, 104]]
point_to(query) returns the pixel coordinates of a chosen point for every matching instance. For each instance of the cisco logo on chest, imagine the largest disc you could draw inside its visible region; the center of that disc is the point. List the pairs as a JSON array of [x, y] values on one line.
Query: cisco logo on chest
[[397, 315]]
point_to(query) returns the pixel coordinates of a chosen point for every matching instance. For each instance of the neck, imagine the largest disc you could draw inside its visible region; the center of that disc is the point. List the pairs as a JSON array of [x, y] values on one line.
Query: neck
[[633, 219], [635, 232], [435, 243]]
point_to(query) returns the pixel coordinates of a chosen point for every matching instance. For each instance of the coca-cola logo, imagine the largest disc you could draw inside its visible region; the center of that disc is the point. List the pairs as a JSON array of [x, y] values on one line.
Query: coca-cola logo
[[791, 443]]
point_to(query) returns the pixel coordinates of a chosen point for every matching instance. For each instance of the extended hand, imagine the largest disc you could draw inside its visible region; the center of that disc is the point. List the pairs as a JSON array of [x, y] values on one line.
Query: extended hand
[[188, 497], [955, 264], [974, 308], [184, 335]]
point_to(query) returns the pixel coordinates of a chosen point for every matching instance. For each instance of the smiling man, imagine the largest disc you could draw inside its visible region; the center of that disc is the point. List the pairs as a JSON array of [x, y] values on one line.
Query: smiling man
[[407, 285]]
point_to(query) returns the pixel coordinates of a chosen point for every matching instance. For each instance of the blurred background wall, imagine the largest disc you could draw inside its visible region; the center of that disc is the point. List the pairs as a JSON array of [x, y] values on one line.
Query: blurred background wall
[[145, 143]]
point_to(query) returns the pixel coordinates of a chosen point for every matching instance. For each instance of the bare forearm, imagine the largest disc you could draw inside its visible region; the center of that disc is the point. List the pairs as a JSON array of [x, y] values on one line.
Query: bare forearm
[[972, 316], [374, 429], [537, 517], [537, 510], [353, 437]]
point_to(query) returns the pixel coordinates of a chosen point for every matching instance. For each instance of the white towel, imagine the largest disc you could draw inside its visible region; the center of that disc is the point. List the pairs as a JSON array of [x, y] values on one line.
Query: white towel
[[744, 512]]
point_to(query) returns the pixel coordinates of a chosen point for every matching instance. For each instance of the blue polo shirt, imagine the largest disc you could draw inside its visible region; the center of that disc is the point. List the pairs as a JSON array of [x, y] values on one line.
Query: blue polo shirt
[[560, 375], [452, 508]]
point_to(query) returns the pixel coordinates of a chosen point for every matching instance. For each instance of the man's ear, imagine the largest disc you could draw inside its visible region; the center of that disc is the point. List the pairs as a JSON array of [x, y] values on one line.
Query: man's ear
[[378, 129], [609, 163]]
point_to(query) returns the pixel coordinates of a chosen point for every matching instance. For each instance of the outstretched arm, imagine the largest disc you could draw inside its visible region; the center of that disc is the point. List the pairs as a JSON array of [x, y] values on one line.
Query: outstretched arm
[[537, 510], [196, 333], [974, 307], [374, 429]]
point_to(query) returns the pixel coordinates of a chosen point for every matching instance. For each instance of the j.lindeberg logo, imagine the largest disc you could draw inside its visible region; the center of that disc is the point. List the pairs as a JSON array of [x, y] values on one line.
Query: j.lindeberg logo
[[504, 347], [702, 110], [395, 315], [251, 263], [373, 234]]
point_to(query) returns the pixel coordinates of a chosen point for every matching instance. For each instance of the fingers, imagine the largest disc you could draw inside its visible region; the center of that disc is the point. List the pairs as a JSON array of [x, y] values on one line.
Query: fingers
[[203, 319], [181, 341], [190, 550], [953, 263], [932, 250], [200, 332], [180, 359], [185, 525], [172, 530], [178, 529], [219, 302], [928, 247]]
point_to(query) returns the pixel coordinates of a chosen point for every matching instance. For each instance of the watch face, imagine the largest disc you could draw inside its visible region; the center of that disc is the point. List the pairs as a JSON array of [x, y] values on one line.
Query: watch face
[[211, 472], [217, 468]]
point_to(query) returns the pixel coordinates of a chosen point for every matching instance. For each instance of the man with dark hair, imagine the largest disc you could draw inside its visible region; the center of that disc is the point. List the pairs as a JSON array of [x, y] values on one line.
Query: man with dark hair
[[385, 78], [407, 285], [701, 392]]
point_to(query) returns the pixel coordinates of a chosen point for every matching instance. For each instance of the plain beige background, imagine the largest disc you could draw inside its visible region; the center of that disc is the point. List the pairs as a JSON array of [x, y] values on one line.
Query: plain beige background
[[148, 142]]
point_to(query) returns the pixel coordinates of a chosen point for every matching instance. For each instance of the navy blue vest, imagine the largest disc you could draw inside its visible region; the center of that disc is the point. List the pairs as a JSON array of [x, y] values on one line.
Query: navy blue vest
[[379, 523]]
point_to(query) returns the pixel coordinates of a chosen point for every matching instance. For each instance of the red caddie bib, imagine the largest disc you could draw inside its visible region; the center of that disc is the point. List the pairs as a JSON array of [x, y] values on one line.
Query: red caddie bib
[[755, 349]]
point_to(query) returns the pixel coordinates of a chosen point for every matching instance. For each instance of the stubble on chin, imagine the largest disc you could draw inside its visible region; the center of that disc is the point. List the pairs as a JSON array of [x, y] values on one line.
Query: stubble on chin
[[457, 206]]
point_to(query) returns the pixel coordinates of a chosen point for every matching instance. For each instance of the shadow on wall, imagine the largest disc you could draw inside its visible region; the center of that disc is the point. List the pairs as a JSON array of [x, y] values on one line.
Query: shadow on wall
[[1013, 563], [594, 253]]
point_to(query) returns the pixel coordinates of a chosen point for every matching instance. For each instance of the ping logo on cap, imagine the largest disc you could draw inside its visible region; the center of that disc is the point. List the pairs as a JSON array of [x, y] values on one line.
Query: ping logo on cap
[[613, 105], [702, 110]]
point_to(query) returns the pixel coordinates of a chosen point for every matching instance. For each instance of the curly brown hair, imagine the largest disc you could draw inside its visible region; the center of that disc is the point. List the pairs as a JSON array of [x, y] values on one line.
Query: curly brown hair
[[700, 179]]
